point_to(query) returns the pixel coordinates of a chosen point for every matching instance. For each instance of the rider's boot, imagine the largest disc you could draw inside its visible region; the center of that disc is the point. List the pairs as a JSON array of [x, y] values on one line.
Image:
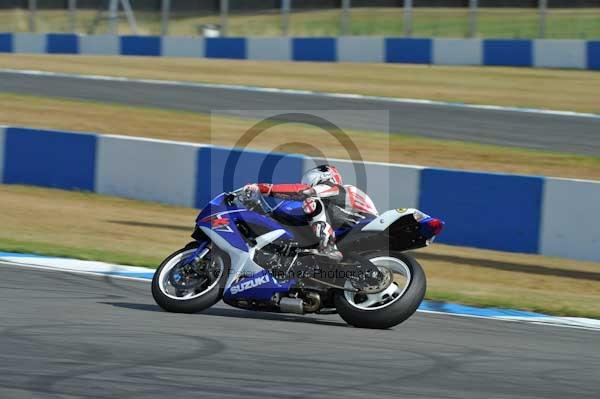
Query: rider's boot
[[327, 247]]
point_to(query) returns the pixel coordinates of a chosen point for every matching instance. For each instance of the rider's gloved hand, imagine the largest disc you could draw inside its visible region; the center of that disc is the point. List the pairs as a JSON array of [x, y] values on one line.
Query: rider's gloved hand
[[251, 188], [251, 191], [260, 188]]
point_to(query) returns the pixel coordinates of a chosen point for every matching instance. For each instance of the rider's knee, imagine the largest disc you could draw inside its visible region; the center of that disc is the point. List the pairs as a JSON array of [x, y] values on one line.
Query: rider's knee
[[312, 207]]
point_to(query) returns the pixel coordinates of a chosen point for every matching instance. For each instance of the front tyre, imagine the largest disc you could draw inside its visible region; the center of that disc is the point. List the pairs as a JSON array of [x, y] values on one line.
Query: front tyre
[[391, 306], [183, 287]]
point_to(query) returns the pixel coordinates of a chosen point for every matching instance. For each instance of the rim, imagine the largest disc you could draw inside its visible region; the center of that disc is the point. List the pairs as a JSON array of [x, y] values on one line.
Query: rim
[[169, 290], [390, 295]]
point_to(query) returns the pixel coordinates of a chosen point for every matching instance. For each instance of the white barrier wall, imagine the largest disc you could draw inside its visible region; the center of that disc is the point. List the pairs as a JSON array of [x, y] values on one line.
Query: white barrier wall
[[571, 219], [150, 170], [559, 53], [173, 46], [361, 49], [29, 43], [269, 48], [99, 45], [457, 51]]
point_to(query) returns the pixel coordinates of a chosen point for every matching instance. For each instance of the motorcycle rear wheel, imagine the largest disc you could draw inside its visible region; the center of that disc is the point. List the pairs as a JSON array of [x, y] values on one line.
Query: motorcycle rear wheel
[[393, 305]]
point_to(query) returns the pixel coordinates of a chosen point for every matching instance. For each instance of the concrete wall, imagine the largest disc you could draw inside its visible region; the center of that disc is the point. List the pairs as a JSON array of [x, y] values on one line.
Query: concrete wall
[[579, 54], [529, 214]]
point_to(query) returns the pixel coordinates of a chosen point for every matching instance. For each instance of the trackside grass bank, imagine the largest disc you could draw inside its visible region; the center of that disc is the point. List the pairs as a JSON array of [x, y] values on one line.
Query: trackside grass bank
[[569, 90], [94, 227], [52, 113], [439, 21]]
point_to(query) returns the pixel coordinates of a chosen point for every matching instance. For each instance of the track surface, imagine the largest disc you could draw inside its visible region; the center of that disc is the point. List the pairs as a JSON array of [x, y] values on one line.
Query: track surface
[[65, 336], [537, 131]]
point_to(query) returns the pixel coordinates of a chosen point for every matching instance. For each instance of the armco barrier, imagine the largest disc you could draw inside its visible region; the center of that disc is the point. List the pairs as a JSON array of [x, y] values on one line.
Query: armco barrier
[[579, 54], [529, 214]]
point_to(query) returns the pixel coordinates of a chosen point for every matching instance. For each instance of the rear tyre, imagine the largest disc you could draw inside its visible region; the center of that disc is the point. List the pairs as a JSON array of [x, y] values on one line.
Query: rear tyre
[[393, 305], [175, 300]]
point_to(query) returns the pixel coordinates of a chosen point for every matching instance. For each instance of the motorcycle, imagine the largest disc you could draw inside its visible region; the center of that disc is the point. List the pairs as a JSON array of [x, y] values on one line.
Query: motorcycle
[[259, 254]]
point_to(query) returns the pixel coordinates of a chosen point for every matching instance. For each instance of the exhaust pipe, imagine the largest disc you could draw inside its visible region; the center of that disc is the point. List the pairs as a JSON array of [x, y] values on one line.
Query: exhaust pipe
[[310, 304], [291, 305]]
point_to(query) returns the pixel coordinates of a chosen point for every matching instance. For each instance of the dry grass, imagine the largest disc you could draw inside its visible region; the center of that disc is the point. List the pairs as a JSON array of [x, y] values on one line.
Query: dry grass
[[526, 87], [184, 126], [532, 282], [83, 222], [111, 229]]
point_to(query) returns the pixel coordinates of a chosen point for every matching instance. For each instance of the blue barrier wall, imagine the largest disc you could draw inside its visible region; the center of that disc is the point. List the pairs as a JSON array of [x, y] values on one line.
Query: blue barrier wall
[[504, 52], [49, 159], [483, 210], [141, 45], [408, 51], [6, 43], [579, 54], [58, 43], [225, 47], [593, 55], [314, 49]]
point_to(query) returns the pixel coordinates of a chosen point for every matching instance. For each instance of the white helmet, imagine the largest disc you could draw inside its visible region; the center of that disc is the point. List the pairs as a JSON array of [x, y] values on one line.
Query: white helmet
[[322, 174]]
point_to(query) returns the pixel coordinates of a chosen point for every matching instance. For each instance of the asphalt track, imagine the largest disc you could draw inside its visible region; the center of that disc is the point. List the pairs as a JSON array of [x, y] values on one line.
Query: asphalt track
[[69, 336], [561, 133]]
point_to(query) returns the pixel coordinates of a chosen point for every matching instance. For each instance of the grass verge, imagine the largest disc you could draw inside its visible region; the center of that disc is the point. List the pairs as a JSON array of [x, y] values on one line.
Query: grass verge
[[90, 226], [439, 21], [523, 87], [52, 113]]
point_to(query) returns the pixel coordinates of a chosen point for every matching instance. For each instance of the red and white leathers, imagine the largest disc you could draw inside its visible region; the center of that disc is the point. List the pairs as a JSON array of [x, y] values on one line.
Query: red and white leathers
[[324, 204]]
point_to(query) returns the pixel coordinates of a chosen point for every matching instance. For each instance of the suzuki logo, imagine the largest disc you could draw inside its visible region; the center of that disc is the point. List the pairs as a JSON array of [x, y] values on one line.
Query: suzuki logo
[[246, 285]]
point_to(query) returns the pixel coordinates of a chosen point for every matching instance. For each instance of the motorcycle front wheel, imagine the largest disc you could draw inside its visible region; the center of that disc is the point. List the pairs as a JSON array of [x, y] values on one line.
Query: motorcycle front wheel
[[393, 305], [180, 287]]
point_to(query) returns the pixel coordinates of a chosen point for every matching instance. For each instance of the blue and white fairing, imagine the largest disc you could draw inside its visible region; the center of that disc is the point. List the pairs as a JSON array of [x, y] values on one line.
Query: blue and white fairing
[[246, 280]]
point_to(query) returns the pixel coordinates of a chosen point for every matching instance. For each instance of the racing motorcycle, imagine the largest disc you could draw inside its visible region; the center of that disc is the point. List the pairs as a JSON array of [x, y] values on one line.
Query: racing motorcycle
[[259, 254]]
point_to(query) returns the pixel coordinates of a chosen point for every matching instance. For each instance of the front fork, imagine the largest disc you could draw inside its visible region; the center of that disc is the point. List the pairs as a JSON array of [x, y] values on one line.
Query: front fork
[[199, 253]]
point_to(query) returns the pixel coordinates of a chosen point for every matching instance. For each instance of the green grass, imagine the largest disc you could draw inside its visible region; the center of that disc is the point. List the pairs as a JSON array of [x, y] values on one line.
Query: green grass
[[84, 253], [444, 22], [556, 309]]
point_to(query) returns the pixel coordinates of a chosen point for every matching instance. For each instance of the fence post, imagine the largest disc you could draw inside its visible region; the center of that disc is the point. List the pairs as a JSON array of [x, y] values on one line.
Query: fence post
[[73, 15], [165, 11], [286, 6], [224, 17], [473, 8], [543, 9], [32, 12], [345, 23], [408, 17], [113, 8]]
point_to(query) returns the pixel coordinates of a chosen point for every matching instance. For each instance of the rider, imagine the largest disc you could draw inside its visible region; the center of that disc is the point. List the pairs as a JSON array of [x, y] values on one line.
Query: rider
[[326, 201]]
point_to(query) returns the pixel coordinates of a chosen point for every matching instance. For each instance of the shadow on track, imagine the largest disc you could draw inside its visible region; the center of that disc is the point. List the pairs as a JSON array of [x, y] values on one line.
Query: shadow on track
[[235, 313]]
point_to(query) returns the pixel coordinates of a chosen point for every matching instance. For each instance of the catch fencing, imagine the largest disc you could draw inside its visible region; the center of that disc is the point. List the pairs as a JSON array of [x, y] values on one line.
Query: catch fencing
[[504, 212], [573, 19]]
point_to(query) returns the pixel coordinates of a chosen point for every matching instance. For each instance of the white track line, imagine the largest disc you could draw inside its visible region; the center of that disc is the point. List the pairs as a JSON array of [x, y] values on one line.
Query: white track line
[[347, 96], [71, 271]]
